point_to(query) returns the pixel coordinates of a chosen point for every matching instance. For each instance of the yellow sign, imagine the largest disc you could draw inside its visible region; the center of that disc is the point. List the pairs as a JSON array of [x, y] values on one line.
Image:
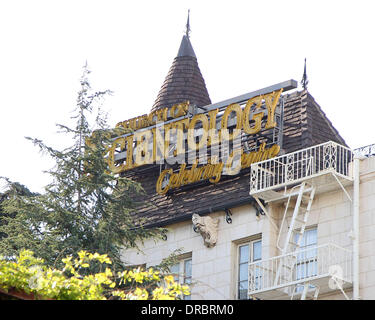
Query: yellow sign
[[212, 172], [153, 145], [164, 114]]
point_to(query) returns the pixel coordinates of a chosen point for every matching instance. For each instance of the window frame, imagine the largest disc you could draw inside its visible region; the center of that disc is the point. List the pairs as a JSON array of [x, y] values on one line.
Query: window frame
[[250, 243], [181, 276], [304, 265]]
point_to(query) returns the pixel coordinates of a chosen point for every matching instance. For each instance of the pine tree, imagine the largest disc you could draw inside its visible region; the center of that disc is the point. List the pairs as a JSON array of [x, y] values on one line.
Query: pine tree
[[85, 207], [14, 189]]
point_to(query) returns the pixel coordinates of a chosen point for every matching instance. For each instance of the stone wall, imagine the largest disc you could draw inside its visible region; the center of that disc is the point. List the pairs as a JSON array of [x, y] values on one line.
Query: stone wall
[[213, 269]]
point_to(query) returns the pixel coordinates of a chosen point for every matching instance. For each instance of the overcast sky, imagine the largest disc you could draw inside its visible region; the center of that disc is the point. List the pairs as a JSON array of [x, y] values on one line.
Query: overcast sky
[[241, 46]]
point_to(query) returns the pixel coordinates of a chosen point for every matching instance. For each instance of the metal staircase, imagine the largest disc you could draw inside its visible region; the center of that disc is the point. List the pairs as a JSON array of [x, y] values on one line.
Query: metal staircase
[[294, 180], [304, 195], [308, 291], [304, 198]]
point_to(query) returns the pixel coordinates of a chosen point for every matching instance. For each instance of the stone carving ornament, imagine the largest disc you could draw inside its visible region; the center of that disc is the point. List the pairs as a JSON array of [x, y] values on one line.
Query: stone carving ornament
[[207, 227]]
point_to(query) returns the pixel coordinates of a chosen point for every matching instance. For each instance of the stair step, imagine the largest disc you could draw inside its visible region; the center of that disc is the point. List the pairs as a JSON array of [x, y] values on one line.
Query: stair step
[[295, 193], [299, 232], [300, 207], [304, 204], [294, 243], [300, 220]]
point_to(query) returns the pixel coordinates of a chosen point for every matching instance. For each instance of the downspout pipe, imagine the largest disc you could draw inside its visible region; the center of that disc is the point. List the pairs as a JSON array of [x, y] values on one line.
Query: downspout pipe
[[356, 181]]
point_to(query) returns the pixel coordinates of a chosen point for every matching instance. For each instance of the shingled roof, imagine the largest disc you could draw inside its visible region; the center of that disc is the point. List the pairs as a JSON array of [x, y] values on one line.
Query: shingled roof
[[305, 125], [184, 81]]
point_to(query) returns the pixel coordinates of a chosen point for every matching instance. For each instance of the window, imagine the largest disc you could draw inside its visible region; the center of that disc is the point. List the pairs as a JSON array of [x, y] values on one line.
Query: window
[[247, 252], [182, 273], [306, 264]]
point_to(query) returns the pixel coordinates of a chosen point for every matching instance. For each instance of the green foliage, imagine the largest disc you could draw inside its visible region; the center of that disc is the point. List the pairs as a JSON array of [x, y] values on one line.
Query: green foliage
[[12, 226], [29, 274], [85, 207]]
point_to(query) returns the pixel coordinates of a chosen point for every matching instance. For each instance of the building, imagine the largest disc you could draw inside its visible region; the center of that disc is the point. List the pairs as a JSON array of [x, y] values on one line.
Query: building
[[292, 217]]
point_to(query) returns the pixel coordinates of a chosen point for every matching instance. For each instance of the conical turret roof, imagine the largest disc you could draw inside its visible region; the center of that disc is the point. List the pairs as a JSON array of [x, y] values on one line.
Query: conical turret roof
[[184, 81]]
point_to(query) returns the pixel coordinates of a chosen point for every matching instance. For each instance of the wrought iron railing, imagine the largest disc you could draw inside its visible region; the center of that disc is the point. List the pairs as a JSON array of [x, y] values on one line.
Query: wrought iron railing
[[304, 265], [366, 151], [299, 165]]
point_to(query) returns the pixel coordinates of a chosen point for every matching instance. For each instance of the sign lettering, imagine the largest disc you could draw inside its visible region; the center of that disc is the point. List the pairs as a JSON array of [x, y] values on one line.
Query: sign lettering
[[169, 141]]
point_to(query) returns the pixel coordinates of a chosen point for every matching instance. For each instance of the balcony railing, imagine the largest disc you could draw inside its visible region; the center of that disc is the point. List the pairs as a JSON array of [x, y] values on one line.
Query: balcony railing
[[366, 151], [297, 166], [283, 273]]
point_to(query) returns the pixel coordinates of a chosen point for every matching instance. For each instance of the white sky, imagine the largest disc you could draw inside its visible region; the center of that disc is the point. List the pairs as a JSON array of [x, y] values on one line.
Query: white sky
[[241, 46]]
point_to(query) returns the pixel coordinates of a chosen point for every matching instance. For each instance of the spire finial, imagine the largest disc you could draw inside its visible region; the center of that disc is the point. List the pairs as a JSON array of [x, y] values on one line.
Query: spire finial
[[188, 24], [304, 80]]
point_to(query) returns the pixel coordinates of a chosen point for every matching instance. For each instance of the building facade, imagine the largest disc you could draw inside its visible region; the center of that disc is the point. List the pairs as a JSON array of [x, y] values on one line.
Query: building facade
[[298, 223]]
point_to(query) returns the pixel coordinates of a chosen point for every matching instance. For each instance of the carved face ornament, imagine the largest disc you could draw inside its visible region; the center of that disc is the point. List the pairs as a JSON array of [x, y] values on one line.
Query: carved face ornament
[[207, 227]]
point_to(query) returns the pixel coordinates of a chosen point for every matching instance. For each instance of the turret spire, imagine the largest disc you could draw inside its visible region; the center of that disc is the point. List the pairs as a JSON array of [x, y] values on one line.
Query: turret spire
[[186, 49], [188, 24], [304, 80], [184, 81]]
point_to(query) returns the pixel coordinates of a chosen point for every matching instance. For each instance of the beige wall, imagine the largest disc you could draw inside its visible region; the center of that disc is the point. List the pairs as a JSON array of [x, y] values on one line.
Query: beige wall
[[214, 270]]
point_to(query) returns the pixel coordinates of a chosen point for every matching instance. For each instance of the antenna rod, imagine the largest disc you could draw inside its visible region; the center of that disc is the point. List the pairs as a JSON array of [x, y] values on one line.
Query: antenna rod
[[304, 80], [188, 24]]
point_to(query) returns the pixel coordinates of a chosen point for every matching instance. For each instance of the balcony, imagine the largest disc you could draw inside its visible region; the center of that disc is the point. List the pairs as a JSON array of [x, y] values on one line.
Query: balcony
[[366, 151], [325, 165], [327, 268]]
